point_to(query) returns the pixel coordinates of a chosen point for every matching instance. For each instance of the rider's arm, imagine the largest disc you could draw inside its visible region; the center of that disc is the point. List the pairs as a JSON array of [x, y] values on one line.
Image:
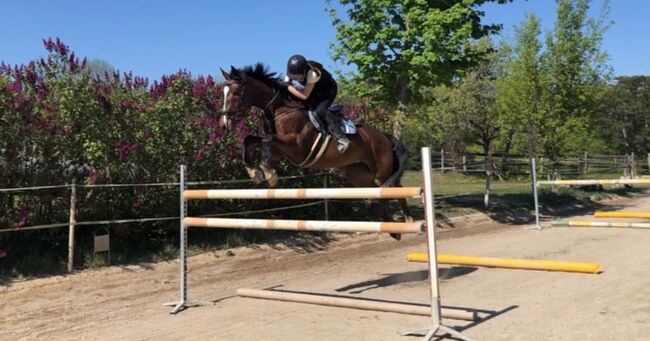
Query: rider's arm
[[312, 78]]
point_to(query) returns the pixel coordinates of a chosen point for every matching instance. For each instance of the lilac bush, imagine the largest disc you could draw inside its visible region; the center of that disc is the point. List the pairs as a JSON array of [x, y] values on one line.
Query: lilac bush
[[59, 124]]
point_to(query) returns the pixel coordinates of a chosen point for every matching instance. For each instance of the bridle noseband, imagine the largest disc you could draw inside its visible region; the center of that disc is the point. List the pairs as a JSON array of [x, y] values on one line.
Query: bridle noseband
[[242, 93]]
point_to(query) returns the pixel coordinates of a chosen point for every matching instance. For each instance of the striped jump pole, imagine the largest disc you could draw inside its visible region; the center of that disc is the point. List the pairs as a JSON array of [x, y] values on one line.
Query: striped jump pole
[[355, 303], [594, 182], [509, 263], [622, 214], [587, 223], [306, 193], [434, 311], [307, 225]]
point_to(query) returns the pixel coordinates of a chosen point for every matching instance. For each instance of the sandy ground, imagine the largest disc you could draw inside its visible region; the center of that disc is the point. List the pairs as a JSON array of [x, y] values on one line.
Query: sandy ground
[[124, 303]]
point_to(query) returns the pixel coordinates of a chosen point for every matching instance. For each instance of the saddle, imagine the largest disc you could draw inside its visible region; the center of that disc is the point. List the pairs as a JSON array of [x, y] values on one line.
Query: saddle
[[347, 126]]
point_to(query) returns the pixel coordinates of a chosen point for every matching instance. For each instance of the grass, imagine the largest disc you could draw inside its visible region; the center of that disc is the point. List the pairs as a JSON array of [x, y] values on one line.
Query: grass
[[448, 184], [510, 202]]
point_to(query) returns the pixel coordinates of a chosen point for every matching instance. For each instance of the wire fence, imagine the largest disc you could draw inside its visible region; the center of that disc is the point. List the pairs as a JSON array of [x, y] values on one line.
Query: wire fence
[[509, 165], [81, 201], [513, 169]]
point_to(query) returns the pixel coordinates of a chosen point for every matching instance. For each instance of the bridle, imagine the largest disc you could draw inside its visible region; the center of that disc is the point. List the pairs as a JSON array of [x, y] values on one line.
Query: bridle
[[242, 93]]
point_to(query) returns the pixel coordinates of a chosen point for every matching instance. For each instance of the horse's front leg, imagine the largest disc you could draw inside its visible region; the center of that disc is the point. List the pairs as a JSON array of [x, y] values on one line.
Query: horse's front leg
[[254, 172], [270, 174]]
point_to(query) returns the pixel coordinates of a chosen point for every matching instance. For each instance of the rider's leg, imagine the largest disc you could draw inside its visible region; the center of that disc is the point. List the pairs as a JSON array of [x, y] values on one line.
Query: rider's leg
[[333, 125]]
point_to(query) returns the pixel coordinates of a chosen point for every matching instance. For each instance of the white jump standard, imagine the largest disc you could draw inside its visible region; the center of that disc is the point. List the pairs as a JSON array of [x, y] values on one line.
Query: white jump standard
[[586, 182], [434, 311]]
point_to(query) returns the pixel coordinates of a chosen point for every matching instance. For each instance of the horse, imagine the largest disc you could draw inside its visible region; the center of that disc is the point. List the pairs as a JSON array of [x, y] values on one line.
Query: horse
[[372, 159]]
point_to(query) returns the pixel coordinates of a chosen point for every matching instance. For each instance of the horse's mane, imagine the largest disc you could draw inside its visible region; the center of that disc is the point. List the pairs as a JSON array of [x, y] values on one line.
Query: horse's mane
[[261, 72]]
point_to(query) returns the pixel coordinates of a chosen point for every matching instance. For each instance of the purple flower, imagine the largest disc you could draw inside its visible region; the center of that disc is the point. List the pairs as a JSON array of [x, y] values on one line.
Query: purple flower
[[72, 62], [24, 210], [5, 68], [241, 131], [199, 89], [137, 205], [200, 155], [127, 104], [125, 148], [30, 73], [93, 177]]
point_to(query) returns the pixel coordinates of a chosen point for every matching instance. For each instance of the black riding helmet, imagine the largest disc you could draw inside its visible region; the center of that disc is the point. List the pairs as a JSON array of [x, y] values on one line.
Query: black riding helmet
[[297, 67]]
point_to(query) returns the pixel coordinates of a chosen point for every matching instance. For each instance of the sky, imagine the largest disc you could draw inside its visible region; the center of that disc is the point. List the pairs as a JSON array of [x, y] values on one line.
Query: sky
[[154, 38]]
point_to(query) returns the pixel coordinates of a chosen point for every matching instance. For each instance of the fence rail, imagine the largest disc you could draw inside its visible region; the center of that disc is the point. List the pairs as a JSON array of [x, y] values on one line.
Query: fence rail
[[503, 166], [73, 223]]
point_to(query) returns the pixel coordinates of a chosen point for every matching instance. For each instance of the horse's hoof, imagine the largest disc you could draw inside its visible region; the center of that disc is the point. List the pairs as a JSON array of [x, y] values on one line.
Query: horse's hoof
[[270, 175], [255, 174], [396, 236]]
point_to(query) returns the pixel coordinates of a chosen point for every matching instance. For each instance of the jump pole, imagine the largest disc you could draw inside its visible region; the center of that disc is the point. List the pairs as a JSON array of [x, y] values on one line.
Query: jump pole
[[307, 193], [435, 309], [355, 303], [587, 223], [596, 182], [509, 263], [622, 214], [306, 225]]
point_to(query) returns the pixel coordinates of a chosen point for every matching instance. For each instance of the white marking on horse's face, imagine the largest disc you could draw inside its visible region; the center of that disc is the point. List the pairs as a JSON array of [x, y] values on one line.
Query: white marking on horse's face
[[226, 89]]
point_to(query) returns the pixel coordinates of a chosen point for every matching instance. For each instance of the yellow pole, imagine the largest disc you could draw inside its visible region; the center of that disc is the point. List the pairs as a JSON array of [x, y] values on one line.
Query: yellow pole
[[622, 214], [524, 264]]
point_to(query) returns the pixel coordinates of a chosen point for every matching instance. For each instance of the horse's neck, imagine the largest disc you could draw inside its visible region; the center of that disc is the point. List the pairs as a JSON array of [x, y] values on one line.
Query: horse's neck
[[264, 97]]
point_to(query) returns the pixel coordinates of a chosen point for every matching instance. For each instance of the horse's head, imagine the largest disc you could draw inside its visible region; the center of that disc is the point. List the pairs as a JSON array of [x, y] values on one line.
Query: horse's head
[[235, 100]]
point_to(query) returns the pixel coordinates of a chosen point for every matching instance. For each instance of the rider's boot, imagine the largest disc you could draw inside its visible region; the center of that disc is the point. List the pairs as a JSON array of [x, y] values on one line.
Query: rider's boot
[[342, 141]]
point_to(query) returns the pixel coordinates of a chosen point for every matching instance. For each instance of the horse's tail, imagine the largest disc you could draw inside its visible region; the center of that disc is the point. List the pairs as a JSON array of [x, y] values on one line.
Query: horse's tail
[[400, 156]]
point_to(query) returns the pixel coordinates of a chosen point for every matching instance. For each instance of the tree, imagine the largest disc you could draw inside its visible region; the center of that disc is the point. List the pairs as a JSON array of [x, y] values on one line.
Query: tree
[[400, 46], [627, 119], [577, 70], [471, 103], [99, 67], [522, 87]]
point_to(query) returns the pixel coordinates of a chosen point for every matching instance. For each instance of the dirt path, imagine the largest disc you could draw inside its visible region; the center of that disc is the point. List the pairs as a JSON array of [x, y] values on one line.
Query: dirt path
[[124, 303]]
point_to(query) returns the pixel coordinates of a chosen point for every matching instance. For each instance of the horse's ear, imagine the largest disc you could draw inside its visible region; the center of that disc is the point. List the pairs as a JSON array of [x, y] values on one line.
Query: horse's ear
[[225, 74], [234, 71]]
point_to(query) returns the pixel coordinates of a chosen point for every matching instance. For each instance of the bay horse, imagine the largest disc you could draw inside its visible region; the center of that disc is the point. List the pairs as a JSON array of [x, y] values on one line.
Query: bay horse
[[372, 159]]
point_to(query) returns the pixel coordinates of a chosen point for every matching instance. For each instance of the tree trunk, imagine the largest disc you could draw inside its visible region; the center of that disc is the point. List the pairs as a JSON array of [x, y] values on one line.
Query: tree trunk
[[506, 148], [402, 100]]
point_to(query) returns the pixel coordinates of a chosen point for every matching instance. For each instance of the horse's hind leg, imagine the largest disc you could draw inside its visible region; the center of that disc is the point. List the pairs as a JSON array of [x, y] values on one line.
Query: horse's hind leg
[[359, 175]]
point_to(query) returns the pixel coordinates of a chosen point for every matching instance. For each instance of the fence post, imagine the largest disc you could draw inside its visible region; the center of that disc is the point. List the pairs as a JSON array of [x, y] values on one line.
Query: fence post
[[442, 160], [327, 216], [71, 228], [648, 163], [586, 165], [533, 177], [464, 164], [632, 165]]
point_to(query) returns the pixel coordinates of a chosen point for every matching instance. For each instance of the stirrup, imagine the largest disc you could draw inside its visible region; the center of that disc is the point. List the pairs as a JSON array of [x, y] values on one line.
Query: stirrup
[[342, 144]]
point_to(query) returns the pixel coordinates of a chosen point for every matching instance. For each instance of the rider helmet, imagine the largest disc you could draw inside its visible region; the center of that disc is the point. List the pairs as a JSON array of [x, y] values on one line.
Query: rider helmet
[[297, 67]]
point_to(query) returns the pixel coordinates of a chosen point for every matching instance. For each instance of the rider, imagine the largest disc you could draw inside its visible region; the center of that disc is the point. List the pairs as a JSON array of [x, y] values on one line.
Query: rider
[[317, 90]]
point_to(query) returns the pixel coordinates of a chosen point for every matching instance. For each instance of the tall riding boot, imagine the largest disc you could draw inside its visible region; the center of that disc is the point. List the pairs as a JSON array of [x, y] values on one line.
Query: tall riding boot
[[342, 141]]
